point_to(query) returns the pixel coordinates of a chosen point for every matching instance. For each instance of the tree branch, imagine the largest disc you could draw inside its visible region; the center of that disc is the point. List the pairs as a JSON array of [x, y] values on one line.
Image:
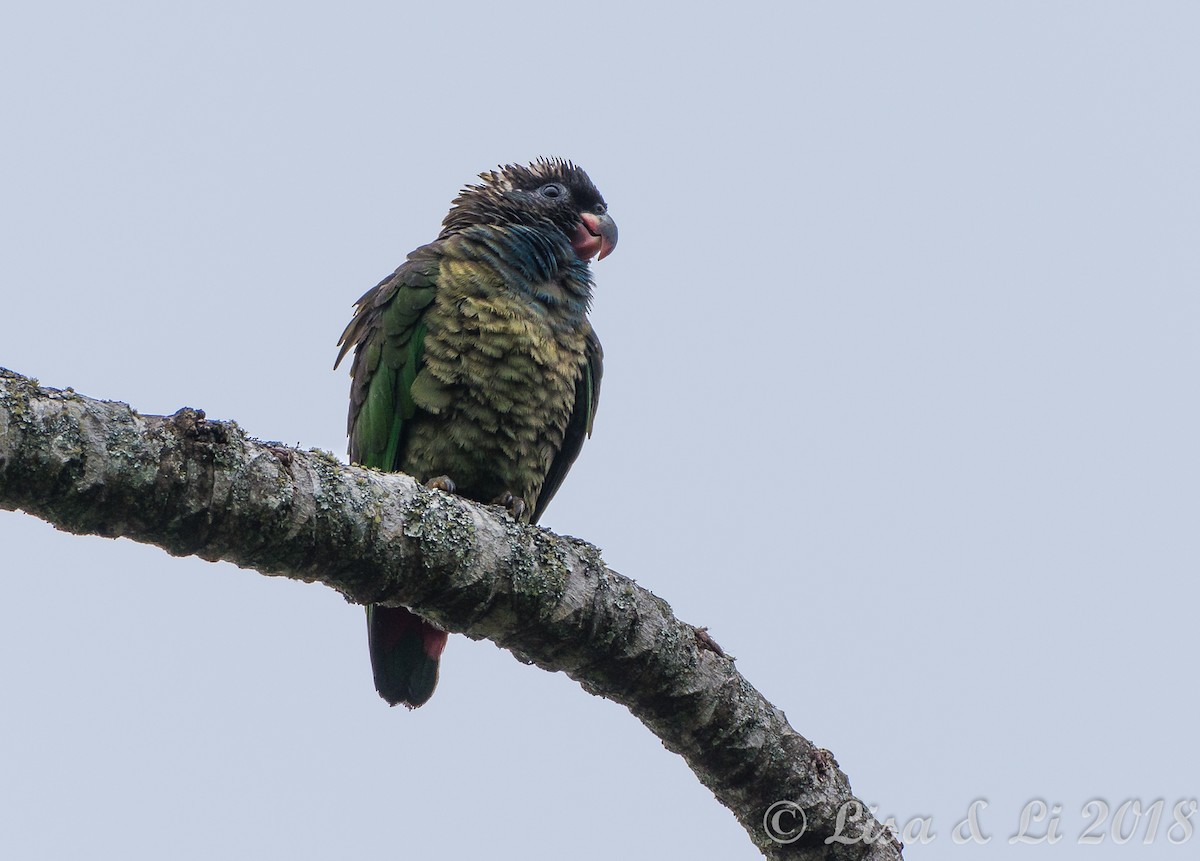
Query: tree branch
[[196, 487]]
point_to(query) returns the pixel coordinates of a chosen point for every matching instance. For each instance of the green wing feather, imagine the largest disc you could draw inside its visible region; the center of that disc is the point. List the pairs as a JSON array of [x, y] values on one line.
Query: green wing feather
[[579, 426], [389, 333]]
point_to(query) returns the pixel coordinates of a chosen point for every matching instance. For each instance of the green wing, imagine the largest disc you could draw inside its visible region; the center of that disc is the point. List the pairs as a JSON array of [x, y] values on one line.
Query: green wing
[[579, 426], [389, 334], [388, 337]]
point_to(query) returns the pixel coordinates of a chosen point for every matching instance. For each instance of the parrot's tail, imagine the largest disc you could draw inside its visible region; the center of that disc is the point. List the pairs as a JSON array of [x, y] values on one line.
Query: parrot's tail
[[404, 654]]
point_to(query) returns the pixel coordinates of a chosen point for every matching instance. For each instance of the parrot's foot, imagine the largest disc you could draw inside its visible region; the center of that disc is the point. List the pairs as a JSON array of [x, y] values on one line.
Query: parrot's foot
[[515, 505], [441, 482]]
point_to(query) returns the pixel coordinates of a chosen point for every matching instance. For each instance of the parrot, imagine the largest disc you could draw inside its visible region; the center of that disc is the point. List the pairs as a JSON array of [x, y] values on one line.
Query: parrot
[[476, 370]]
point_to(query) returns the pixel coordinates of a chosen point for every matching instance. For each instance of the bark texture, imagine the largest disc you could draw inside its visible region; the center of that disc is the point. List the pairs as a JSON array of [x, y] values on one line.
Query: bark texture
[[197, 487]]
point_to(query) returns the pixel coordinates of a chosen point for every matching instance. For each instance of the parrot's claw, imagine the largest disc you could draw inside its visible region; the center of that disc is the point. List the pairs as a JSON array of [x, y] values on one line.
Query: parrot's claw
[[441, 482], [515, 505]]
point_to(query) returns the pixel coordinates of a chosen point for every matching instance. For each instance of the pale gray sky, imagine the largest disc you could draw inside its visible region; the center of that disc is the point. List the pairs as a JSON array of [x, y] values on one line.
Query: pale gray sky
[[899, 400]]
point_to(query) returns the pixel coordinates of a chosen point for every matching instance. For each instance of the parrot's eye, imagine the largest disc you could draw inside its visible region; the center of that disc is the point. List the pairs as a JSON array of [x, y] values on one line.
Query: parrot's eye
[[552, 190], [599, 209]]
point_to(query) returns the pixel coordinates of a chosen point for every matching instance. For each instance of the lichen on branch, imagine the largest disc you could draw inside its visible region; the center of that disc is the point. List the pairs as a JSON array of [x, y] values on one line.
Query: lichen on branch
[[193, 486]]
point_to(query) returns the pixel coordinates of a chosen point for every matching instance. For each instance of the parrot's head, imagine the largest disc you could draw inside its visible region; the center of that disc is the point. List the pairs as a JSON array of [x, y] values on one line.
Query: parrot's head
[[551, 194]]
